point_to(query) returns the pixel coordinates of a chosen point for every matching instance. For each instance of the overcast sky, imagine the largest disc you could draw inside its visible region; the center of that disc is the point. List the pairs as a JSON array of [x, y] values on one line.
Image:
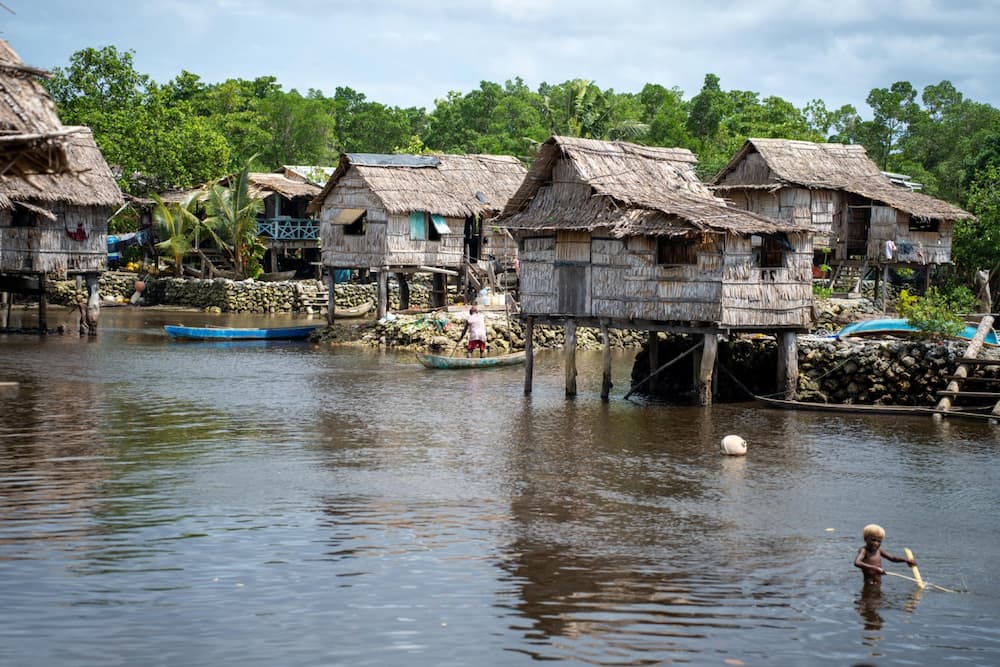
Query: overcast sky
[[412, 52]]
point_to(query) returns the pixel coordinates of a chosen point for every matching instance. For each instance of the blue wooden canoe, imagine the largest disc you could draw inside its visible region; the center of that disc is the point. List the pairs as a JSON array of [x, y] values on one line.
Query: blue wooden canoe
[[441, 361], [235, 333], [901, 327]]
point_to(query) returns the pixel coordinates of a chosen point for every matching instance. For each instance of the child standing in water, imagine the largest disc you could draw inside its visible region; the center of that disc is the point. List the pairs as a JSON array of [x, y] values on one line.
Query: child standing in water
[[870, 556]]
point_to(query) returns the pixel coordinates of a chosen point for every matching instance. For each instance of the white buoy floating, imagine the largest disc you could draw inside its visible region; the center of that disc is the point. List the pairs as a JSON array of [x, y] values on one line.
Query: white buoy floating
[[734, 445]]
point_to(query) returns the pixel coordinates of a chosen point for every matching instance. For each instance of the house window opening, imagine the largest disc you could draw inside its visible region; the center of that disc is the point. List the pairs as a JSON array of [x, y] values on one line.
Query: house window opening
[[924, 225], [676, 250]]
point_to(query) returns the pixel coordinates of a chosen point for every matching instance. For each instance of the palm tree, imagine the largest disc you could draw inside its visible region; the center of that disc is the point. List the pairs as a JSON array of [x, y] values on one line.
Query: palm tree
[[176, 225], [233, 217]]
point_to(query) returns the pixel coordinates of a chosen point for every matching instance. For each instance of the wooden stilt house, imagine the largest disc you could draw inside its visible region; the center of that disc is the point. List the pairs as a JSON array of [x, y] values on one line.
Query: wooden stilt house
[[56, 193], [617, 235], [860, 217], [405, 214], [286, 227]]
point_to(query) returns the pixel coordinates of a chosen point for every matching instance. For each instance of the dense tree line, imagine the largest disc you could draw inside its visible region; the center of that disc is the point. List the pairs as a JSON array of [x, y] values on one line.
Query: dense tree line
[[186, 132]]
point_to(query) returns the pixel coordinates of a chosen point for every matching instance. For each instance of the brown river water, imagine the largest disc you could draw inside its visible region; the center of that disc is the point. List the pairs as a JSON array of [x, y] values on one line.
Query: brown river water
[[265, 504]]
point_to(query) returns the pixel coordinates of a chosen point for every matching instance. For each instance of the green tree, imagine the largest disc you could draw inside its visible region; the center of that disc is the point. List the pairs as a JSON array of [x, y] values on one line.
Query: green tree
[[893, 108], [176, 224], [232, 214]]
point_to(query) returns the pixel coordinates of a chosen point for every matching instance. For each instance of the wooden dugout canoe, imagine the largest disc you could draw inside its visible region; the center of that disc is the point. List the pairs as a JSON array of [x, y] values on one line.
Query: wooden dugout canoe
[[446, 362]]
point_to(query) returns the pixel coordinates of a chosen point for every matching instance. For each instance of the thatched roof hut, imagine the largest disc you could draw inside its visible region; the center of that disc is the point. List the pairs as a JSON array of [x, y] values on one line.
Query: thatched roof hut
[[454, 186], [56, 191], [407, 213], [853, 207], [613, 234], [846, 167]]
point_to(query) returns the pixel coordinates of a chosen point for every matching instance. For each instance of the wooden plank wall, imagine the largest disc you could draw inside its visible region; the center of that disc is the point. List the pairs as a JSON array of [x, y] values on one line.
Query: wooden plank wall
[[537, 275], [348, 250], [753, 296], [47, 248]]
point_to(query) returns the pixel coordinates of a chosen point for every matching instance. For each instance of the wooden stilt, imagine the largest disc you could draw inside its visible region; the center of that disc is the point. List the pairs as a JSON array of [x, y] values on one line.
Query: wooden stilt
[[383, 292], [570, 358], [606, 376], [653, 345], [93, 303], [788, 364], [4, 310], [529, 354], [331, 296], [404, 291], [884, 294], [43, 314], [706, 370], [439, 291]]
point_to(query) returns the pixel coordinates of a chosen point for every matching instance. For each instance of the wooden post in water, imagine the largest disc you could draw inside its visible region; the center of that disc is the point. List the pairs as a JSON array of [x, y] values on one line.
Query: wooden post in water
[[570, 358], [985, 326], [383, 292], [529, 354], [788, 364], [331, 295], [43, 315], [606, 375], [653, 343], [93, 303], [707, 368], [404, 290]]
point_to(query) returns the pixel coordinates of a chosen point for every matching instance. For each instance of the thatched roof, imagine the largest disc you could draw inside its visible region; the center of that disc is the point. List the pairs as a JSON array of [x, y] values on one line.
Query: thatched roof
[[845, 167], [634, 190], [262, 185], [30, 131], [87, 180], [450, 185]]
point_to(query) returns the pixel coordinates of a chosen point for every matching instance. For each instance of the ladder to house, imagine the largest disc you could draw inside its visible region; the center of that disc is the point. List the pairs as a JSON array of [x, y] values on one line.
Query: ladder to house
[[849, 275], [312, 299]]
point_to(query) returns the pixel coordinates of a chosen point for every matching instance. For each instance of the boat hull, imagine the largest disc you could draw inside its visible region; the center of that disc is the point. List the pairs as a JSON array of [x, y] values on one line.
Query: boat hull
[[901, 327], [444, 362], [231, 333]]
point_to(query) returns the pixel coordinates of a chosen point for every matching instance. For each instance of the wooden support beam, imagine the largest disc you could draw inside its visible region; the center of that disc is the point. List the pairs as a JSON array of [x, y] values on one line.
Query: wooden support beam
[[382, 305], [43, 311], [709, 353], [331, 296], [570, 349], [653, 345], [529, 354], [788, 364], [606, 375]]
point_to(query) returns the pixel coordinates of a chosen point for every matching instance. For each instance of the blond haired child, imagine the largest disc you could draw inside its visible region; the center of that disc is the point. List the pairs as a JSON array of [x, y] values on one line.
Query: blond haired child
[[870, 556]]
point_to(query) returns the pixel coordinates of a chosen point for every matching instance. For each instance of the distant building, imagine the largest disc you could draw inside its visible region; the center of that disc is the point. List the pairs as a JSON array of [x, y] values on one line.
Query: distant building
[[404, 214], [860, 217]]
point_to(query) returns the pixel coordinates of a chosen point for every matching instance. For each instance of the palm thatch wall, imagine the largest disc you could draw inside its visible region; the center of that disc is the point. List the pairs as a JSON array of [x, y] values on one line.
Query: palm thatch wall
[[852, 206], [611, 230], [56, 190], [389, 190]]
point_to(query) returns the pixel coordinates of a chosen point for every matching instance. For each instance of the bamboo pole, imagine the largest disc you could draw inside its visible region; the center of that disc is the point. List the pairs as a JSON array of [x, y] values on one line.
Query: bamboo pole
[[972, 351], [913, 568]]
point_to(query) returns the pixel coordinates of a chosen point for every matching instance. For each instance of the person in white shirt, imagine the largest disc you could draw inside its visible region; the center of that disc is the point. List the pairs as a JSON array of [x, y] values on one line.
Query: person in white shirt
[[476, 326]]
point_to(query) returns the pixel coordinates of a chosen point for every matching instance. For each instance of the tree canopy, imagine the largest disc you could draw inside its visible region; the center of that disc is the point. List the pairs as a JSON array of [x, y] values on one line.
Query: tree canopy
[[185, 132]]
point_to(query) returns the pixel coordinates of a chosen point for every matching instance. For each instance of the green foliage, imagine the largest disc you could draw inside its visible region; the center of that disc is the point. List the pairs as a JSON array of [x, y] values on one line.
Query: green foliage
[[232, 215], [933, 314], [176, 224], [822, 291], [976, 243]]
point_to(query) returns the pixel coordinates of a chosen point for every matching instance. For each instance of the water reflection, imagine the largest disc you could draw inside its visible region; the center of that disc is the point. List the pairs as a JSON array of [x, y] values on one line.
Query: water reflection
[[342, 506]]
